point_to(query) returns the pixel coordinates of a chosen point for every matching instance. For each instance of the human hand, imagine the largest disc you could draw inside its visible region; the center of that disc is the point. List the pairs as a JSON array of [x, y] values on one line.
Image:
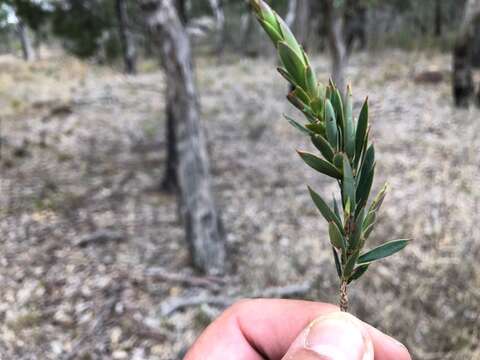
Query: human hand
[[292, 330]]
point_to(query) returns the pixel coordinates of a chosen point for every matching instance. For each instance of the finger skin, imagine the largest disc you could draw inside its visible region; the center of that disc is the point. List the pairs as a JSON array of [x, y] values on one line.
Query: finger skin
[[265, 328]]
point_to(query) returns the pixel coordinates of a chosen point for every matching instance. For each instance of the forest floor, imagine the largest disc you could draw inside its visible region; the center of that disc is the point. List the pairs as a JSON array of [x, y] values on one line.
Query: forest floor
[[93, 263]]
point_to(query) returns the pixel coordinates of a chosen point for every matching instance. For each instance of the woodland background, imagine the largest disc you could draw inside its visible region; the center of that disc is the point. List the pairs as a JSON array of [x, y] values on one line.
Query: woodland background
[[133, 209]]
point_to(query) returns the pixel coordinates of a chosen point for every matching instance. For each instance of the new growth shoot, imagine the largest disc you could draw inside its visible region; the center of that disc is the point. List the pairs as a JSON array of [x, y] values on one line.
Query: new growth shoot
[[345, 154]]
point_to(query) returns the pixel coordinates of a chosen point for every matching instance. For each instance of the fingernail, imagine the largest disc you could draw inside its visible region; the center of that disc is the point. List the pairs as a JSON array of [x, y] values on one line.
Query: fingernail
[[338, 336]]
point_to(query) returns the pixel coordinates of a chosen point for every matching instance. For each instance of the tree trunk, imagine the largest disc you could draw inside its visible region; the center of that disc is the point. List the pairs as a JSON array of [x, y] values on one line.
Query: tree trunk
[[336, 39], [170, 183], [218, 13], [27, 50], [126, 37], [438, 30], [355, 18], [463, 87], [204, 232]]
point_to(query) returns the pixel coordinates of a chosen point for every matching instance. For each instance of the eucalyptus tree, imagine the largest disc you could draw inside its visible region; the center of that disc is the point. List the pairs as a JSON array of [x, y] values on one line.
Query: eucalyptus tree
[[199, 213]]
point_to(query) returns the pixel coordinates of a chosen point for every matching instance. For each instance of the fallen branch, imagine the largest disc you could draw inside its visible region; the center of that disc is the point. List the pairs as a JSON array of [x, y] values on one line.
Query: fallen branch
[[179, 303], [159, 274]]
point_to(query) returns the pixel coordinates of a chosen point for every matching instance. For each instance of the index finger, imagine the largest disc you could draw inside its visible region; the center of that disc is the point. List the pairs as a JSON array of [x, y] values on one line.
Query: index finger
[[265, 328]]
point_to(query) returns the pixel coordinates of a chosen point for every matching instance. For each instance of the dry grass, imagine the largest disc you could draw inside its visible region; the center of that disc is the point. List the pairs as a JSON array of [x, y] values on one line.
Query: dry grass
[[93, 167]]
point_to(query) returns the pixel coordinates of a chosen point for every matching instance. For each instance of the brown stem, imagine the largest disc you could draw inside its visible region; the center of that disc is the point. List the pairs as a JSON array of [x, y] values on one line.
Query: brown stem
[[343, 296]]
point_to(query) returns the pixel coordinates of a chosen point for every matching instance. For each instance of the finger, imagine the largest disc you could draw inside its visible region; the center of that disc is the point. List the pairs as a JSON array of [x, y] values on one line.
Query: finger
[[265, 328], [336, 336]]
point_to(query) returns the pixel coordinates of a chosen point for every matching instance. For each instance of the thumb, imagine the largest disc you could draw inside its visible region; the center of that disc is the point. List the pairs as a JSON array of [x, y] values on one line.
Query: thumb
[[336, 336]]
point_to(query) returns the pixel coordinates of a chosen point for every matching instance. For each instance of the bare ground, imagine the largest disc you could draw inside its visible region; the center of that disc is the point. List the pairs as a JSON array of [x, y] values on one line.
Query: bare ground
[[82, 225]]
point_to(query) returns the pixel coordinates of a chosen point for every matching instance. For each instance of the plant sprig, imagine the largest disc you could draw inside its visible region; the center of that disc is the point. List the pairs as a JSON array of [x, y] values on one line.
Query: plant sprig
[[346, 154]]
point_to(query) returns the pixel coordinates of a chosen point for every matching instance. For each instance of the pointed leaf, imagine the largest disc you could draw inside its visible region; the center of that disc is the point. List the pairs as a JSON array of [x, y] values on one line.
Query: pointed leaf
[[383, 251], [338, 160], [286, 75], [350, 264], [348, 183], [378, 201], [336, 237], [349, 130], [274, 35], [361, 132], [357, 232], [324, 209], [320, 165], [338, 107], [293, 63], [311, 82], [317, 128], [288, 37], [337, 263], [298, 126], [331, 125], [323, 146], [358, 272], [364, 186]]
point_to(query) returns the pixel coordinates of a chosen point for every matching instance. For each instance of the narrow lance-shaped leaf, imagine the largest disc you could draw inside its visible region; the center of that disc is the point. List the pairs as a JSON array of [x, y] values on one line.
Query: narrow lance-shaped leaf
[[349, 130], [361, 132], [357, 231], [378, 201], [358, 272], [350, 264], [298, 126], [338, 264], [311, 82], [324, 209], [286, 75], [364, 186], [331, 125], [348, 181], [319, 164], [323, 146], [274, 35], [338, 107], [288, 37], [336, 237], [292, 63], [383, 251]]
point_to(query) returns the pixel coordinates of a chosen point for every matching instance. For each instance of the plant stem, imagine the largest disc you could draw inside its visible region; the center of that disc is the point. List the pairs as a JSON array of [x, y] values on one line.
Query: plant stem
[[343, 296]]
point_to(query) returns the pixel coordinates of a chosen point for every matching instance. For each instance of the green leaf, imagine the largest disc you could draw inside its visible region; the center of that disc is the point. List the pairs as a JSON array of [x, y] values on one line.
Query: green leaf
[[298, 126], [331, 125], [383, 251], [317, 107], [349, 130], [324, 209], [336, 237], [311, 82], [274, 35], [320, 165], [323, 146], [348, 183], [358, 272], [289, 38], [336, 208], [368, 230], [337, 263], [301, 95], [378, 201], [357, 232], [292, 62], [369, 219], [338, 160], [361, 132], [364, 186], [286, 75], [317, 128], [350, 264], [338, 107]]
